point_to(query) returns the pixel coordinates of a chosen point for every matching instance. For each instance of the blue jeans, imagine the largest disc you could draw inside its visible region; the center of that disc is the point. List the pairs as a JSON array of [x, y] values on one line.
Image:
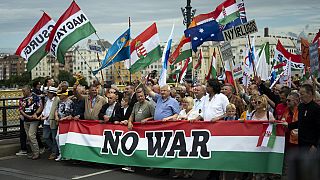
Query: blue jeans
[[49, 136]]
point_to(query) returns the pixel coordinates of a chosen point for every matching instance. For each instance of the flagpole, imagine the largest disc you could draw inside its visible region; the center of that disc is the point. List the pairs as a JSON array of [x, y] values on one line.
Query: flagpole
[[101, 69], [253, 66], [85, 61], [222, 63], [130, 56], [113, 64]]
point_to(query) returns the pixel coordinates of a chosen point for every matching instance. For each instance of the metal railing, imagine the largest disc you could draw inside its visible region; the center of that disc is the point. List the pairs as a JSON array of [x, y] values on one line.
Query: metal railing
[[9, 122]]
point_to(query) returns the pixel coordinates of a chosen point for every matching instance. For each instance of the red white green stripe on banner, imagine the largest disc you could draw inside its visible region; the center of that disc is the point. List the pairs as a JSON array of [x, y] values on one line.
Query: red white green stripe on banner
[[226, 146]]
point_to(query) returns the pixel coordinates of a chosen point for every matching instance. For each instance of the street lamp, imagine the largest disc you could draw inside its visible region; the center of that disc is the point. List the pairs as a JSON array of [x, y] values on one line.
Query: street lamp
[[188, 14]]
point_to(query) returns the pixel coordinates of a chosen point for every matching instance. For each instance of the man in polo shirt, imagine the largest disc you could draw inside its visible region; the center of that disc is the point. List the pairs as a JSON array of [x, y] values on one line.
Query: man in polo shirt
[[167, 108]]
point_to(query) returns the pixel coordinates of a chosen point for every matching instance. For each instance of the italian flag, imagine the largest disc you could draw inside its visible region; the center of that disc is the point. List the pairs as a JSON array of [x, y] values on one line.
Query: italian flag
[[186, 67], [145, 49], [71, 27], [32, 48], [223, 146], [182, 52], [226, 12], [213, 70]]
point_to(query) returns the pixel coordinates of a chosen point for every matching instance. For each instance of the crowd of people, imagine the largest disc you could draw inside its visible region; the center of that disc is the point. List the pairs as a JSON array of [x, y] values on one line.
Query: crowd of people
[[297, 108]]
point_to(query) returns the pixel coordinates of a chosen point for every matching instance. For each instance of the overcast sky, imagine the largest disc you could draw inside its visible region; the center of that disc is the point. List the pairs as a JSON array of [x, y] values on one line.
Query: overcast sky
[[110, 17]]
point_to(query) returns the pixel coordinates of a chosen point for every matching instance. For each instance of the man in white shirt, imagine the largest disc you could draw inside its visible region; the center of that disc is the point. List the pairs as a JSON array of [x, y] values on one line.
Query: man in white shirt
[[199, 92], [215, 103], [48, 133]]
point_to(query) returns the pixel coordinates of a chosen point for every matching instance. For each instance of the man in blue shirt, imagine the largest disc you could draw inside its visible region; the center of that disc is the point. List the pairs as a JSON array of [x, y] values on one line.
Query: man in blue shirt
[[167, 108]]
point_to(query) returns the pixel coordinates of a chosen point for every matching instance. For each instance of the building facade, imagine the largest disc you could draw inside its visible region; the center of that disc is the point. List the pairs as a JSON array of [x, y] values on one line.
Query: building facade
[[11, 65]]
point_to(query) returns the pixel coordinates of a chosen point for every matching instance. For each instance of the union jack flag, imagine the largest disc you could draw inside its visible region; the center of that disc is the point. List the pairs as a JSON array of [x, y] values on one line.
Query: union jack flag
[[242, 11]]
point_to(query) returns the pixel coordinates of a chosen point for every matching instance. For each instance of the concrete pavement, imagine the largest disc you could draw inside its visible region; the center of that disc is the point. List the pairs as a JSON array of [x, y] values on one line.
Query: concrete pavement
[[19, 167]]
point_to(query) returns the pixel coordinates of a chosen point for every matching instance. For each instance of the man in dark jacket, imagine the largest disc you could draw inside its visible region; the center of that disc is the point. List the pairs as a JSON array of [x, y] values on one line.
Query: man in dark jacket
[[110, 112], [308, 122]]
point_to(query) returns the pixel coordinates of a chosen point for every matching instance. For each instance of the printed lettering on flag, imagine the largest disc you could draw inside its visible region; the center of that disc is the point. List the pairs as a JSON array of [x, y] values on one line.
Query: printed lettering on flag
[[32, 48]]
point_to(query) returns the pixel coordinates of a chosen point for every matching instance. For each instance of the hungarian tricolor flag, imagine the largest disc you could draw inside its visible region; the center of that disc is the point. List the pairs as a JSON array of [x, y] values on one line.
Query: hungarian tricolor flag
[[186, 67], [212, 69], [268, 136], [182, 52], [32, 48], [227, 12], [71, 27], [145, 49]]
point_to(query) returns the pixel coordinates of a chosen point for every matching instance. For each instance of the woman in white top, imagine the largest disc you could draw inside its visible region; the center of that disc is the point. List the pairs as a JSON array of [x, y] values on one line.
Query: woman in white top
[[261, 110], [187, 112]]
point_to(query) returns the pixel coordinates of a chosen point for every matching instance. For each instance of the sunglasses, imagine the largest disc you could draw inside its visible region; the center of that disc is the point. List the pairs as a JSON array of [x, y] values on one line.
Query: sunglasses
[[259, 102]]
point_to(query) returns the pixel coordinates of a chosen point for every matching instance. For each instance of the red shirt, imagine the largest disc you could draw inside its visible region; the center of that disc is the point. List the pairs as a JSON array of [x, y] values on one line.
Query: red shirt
[[280, 109]]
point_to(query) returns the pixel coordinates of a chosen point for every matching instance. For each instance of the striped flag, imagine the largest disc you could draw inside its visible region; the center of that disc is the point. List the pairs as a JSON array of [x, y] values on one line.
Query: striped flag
[[242, 11], [182, 52], [186, 67], [32, 48], [268, 136], [71, 27], [165, 57], [145, 49], [223, 146]]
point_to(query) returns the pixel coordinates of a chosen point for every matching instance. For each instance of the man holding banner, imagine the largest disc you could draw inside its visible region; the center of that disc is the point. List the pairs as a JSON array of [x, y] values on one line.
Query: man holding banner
[[142, 112]]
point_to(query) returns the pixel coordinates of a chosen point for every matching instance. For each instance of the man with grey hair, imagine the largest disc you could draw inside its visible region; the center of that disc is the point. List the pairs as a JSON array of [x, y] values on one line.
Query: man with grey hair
[[167, 108], [199, 93]]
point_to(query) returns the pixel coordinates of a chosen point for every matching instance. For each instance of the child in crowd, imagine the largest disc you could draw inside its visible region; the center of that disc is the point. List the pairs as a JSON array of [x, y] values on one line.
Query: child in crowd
[[231, 112]]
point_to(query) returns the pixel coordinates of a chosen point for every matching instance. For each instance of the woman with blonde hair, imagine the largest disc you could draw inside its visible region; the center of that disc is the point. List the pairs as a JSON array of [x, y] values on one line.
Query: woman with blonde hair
[[261, 110], [187, 112], [246, 115]]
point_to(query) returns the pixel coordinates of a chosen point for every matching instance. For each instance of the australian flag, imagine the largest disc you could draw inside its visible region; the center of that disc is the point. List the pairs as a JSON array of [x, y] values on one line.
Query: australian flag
[[208, 31]]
